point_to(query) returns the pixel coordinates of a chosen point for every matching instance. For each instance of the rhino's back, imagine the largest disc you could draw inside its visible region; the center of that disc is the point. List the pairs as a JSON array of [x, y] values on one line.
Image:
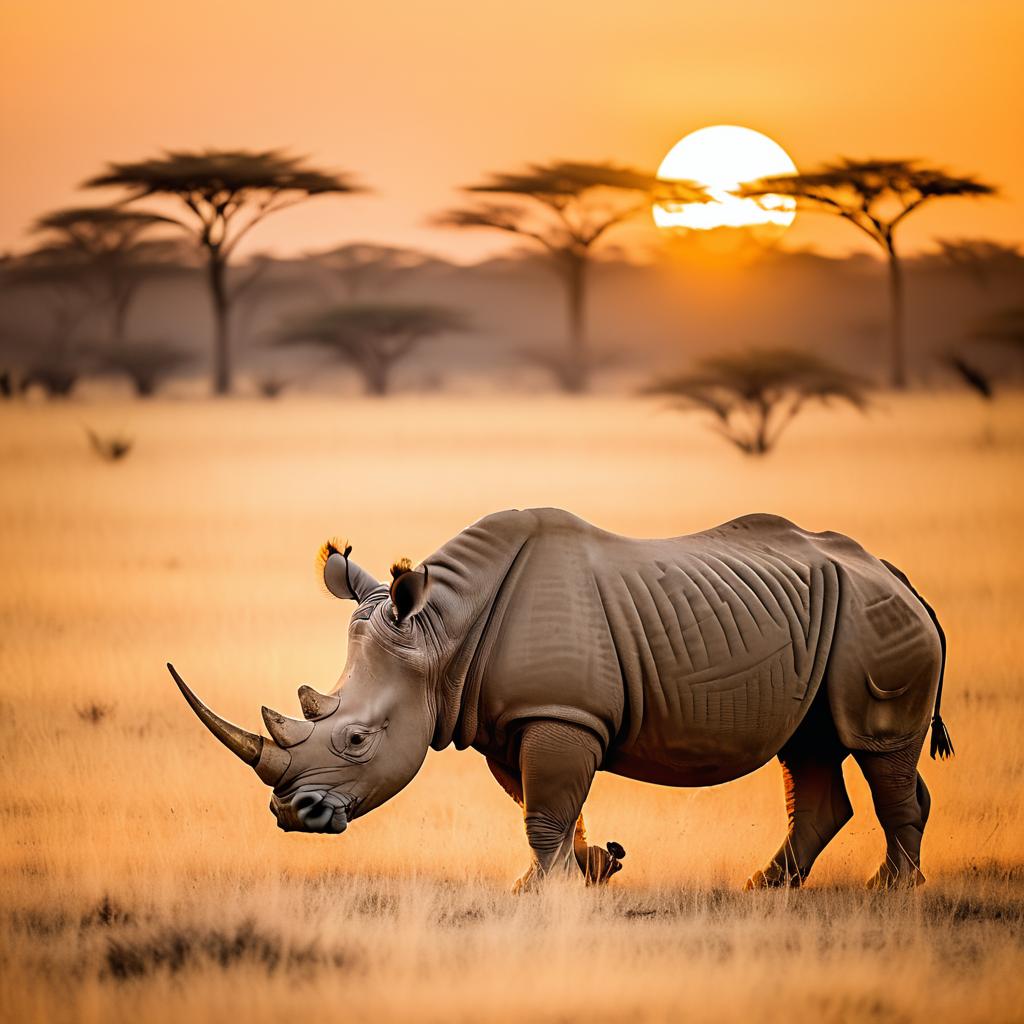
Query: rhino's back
[[693, 657], [722, 638]]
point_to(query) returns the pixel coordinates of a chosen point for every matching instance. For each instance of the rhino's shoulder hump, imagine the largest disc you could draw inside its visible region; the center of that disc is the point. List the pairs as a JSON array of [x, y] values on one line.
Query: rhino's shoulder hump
[[537, 520], [757, 524], [508, 522], [558, 520]]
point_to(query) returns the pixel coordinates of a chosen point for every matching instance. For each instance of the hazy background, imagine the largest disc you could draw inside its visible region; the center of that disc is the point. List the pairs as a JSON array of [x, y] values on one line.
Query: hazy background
[[643, 317]]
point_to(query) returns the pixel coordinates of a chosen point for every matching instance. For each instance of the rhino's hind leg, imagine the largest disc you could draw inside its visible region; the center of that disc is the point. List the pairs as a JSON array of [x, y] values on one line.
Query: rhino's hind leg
[[818, 808], [902, 804], [557, 766]]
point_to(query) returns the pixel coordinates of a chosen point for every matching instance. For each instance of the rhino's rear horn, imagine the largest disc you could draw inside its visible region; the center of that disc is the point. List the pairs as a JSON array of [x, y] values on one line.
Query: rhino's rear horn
[[317, 705], [268, 759]]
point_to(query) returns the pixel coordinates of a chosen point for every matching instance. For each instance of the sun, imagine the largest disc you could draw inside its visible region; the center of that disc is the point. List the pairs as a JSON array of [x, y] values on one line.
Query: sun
[[720, 158]]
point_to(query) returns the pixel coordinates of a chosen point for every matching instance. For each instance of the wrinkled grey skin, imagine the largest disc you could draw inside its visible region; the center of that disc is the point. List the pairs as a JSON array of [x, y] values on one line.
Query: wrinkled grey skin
[[558, 650]]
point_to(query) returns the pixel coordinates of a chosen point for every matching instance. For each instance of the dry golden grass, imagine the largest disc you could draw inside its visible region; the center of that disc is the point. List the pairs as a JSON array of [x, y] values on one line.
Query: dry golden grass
[[144, 878]]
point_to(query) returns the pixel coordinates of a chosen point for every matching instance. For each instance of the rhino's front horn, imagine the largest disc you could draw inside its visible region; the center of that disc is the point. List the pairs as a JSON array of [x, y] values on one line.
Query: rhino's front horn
[[286, 731], [317, 705], [269, 760]]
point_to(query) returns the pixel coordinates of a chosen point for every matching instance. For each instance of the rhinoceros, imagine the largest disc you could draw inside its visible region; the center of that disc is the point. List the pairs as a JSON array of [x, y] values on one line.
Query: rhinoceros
[[557, 650]]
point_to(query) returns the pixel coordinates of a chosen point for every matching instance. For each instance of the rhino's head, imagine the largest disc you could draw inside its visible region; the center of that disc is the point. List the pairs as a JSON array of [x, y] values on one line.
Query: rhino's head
[[361, 744]]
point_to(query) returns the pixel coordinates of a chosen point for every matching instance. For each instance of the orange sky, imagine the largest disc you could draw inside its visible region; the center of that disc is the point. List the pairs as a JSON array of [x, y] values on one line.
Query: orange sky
[[416, 97]]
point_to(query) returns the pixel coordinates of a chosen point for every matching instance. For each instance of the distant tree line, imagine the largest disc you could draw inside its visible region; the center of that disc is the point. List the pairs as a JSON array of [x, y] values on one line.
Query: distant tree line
[[185, 213]]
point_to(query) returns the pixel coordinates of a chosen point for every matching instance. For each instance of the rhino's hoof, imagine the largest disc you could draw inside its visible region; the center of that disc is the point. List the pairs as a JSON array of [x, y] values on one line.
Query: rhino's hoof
[[887, 878], [601, 864], [602, 871], [773, 877], [530, 882]]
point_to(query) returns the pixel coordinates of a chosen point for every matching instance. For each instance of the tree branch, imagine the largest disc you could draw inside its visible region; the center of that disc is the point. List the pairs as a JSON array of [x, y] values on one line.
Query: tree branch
[[908, 209]]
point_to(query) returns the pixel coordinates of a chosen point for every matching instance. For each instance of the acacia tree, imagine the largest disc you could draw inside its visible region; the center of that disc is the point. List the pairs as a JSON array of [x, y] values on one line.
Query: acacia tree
[[66, 280], [876, 196], [260, 281], [979, 259], [567, 208], [225, 193], [147, 366], [371, 337], [753, 396], [1005, 327], [364, 265], [110, 242], [1004, 330]]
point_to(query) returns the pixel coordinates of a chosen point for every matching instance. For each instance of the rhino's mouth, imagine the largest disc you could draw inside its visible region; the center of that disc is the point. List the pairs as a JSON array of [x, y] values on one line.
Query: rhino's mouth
[[311, 809]]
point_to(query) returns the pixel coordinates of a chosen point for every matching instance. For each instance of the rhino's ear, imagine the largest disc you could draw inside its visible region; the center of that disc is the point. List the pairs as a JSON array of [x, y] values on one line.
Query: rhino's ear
[[409, 590], [342, 577]]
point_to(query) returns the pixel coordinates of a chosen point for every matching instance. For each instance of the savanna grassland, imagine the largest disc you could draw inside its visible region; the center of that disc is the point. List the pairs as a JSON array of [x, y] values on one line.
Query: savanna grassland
[[144, 880]]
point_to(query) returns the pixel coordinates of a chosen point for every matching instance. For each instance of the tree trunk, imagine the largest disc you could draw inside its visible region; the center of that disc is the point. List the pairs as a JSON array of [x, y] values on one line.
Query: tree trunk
[[577, 369], [761, 445], [222, 325], [54, 382], [897, 340], [119, 320], [377, 377]]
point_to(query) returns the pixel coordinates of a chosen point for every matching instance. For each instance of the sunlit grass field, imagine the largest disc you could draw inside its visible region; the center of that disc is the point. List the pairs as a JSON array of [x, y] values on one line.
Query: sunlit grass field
[[143, 876]]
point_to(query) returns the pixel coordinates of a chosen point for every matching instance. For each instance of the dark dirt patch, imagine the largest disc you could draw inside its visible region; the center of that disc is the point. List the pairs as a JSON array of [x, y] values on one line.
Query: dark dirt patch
[[181, 949], [106, 914]]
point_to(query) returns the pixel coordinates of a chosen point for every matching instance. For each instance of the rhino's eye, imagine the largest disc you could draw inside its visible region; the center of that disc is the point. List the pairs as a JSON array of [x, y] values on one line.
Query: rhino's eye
[[356, 743]]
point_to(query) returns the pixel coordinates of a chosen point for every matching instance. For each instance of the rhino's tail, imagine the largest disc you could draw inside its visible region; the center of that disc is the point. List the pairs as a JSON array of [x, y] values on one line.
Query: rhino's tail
[[942, 745]]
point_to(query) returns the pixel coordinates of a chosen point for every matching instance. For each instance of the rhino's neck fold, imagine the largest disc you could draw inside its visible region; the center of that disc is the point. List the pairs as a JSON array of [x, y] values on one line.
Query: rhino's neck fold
[[471, 577]]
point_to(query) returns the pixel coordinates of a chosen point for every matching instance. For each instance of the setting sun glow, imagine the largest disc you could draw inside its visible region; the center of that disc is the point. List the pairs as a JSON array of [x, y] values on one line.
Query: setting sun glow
[[720, 158]]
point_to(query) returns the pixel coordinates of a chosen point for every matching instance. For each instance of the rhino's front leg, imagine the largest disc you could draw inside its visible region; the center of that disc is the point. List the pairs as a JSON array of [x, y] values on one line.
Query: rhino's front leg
[[557, 763], [596, 864]]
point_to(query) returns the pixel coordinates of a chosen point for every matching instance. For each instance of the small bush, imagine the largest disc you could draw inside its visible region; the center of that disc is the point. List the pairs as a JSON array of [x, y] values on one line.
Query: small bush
[[753, 396], [94, 712]]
